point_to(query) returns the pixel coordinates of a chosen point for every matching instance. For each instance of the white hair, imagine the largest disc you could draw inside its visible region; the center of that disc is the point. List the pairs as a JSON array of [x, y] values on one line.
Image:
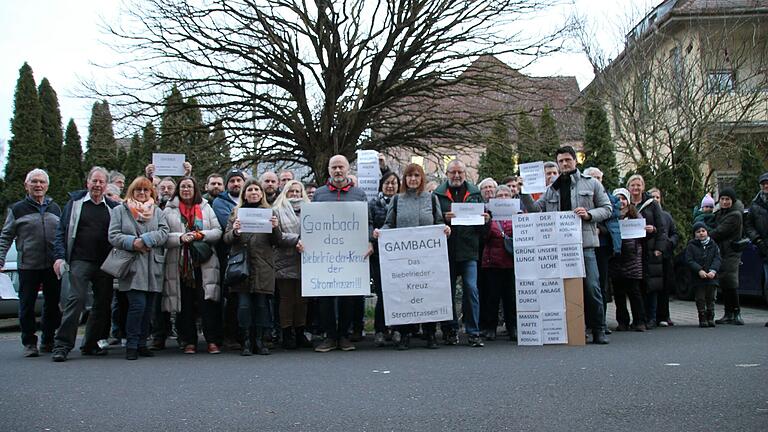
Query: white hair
[[96, 169], [591, 170], [36, 172], [487, 181]]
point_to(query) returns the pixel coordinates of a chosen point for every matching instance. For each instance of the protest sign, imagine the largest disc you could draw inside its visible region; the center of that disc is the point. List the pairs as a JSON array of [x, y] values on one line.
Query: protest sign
[[503, 209], [335, 238], [529, 328], [168, 164], [632, 228], [551, 294], [468, 213], [525, 262], [553, 327], [546, 228], [527, 295], [571, 261], [524, 229], [368, 172], [255, 220], [534, 180], [415, 276], [547, 262], [568, 228]]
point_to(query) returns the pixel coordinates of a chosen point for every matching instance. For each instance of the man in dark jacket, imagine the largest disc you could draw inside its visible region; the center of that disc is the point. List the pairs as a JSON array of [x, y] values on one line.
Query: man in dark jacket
[[756, 222], [336, 312], [81, 246], [463, 253], [32, 223], [663, 317], [728, 229]]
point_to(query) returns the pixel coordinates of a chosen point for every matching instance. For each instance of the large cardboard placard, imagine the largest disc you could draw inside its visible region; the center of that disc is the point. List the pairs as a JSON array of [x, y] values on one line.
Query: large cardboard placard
[[415, 276], [335, 238]]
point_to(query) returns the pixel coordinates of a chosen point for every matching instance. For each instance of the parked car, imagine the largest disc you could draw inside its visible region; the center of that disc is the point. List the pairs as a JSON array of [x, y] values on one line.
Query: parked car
[[9, 308]]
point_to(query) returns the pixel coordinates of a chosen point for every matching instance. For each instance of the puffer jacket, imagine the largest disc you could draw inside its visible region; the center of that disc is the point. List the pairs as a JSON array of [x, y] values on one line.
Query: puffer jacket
[[147, 269], [585, 192], [653, 266], [703, 257], [629, 264], [494, 254], [210, 269], [261, 257], [756, 225], [33, 226], [728, 228]]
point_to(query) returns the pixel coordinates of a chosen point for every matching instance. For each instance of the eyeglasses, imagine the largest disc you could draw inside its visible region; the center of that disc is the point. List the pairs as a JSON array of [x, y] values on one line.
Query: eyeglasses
[[142, 190], [455, 173]]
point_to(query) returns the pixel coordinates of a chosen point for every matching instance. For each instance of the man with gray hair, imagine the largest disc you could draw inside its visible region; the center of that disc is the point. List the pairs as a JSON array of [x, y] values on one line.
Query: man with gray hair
[[80, 247], [118, 179], [32, 223]]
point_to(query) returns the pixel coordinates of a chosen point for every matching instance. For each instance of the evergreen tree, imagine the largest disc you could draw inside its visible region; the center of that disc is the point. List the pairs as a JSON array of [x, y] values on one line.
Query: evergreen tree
[[599, 149], [199, 152], [149, 145], [549, 140], [102, 148], [53, 136], [219, 149], [752, 165], [173, 124], [26, 136], [134, 163], [527, 140], [72, 173], [496, 162]]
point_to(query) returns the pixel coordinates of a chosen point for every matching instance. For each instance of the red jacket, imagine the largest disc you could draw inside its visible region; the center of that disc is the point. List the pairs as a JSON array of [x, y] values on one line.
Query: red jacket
[[494, 254]]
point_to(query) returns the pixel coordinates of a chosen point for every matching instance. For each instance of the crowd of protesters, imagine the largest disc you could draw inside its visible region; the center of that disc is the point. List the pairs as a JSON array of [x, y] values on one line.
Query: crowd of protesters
[[180, 236]]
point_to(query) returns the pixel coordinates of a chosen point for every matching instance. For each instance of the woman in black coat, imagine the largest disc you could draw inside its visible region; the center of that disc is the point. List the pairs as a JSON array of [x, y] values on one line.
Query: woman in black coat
[[728, 229], [653, 246], [626, 271]]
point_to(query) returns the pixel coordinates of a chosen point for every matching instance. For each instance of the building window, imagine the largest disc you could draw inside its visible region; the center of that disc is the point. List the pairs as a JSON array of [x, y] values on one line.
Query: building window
[[720, 81], [676, 60]]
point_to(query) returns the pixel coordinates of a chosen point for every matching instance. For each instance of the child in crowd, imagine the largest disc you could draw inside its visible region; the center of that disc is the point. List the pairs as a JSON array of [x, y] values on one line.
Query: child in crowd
[[703, 258], [705, 212]]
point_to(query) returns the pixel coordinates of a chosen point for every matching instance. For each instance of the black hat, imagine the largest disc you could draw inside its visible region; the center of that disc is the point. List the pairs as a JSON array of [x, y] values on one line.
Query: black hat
[[729, 192], [234, 172], [763, 177], [698, 225]]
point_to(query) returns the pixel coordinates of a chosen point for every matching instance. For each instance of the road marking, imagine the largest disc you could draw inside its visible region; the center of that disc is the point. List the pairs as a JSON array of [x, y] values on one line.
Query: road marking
[[748, 365], [671, 364]]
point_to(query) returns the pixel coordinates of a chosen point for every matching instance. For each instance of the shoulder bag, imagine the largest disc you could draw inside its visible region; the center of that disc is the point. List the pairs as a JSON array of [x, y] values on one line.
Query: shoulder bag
[[119, 261], [237, 267], [509, 246]]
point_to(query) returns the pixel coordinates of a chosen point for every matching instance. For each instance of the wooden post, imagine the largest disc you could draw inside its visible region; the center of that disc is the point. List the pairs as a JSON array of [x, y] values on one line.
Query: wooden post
[[574, 310]]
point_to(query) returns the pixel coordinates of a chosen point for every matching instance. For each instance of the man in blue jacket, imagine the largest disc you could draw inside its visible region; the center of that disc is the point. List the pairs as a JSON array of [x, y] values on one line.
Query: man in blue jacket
[[81, 246], [32, 223]]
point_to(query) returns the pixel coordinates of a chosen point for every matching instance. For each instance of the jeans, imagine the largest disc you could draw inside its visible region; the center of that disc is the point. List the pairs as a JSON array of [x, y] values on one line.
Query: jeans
[[119, 314], [593, 298], [336, 315], [82, 275], [140, 305], [470, 304], [29, 281], [253, 310]]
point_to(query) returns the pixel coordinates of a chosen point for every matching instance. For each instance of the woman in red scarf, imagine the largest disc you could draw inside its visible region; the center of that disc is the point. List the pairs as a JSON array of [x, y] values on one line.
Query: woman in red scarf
[[191, 286]]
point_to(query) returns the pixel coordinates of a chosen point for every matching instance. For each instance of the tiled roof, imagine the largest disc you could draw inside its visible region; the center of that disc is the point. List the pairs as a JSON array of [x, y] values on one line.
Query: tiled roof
[[718, 6]]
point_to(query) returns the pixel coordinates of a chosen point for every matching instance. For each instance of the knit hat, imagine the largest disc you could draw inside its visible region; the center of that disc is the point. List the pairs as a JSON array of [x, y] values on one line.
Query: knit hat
[[234, 172], [698, 225], [728, 192], [707, 201], [763, 177], [622, 191]]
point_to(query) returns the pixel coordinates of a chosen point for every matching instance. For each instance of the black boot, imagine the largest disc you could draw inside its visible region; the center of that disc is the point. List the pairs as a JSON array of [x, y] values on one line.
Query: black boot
[[301, 339], [737, 317], [711, 317], [726, 319], [260, 347], [431, 340], [289, 338], [247, 343], [703, 319], [598, 337]]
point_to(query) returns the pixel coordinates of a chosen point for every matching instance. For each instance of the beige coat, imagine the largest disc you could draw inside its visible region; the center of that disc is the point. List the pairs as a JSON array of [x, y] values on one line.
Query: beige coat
[[210, 269]]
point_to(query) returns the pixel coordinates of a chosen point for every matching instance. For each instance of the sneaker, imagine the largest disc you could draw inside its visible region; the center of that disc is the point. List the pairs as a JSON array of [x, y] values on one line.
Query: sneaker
[[378, 339], [145, 352], [113, 341], [31, 351], [670, 323], [475, 341], [326, 345], [663, 324], [46, 348], [213, 349], [59, 356], [451, 338], [190, 349], [346, 345], [396, 336]]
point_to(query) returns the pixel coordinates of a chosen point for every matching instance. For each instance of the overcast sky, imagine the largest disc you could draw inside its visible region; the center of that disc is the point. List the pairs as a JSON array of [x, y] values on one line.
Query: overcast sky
[[61, 39]]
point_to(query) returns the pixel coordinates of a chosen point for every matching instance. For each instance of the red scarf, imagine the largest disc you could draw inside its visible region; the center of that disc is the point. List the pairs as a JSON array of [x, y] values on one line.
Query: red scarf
[[192, 215]]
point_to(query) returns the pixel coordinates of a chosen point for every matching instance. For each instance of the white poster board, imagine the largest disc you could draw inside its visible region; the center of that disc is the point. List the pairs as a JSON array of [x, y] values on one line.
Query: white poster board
[[503, 209], [415, 276], [632, 228], [168, 164], [468, 213], [529, 328], [368, 172], [534, 180], [527, 295], [554, 327], [255, 220], [335, 238], [524, 229]]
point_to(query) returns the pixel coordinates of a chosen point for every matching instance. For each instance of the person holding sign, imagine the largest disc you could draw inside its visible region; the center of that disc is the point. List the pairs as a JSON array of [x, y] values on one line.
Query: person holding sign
[[336, 312], [413, 207], [463, 252], [626, 271], [191, 287], [585, 196], [253, 294]]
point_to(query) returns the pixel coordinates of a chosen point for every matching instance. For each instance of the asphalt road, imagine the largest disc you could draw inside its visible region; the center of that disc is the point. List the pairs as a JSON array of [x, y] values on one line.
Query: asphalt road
[[678, 378]]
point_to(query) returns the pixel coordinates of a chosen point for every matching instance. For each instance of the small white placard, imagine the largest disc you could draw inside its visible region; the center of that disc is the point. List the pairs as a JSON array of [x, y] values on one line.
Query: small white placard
[[524, 229], [547, 262], [525, 262], [632, 228], [527, 295], [6, 288], [529, 328], [534, 180], [546, 228], [572, 261], [255, 220], [553, 327], [168, 164], [468, 213], [503, 209], [568, 228], [551, 295]]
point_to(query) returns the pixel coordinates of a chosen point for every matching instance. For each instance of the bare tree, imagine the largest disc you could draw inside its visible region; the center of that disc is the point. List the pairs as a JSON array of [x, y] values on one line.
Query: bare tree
[[297, 81]]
